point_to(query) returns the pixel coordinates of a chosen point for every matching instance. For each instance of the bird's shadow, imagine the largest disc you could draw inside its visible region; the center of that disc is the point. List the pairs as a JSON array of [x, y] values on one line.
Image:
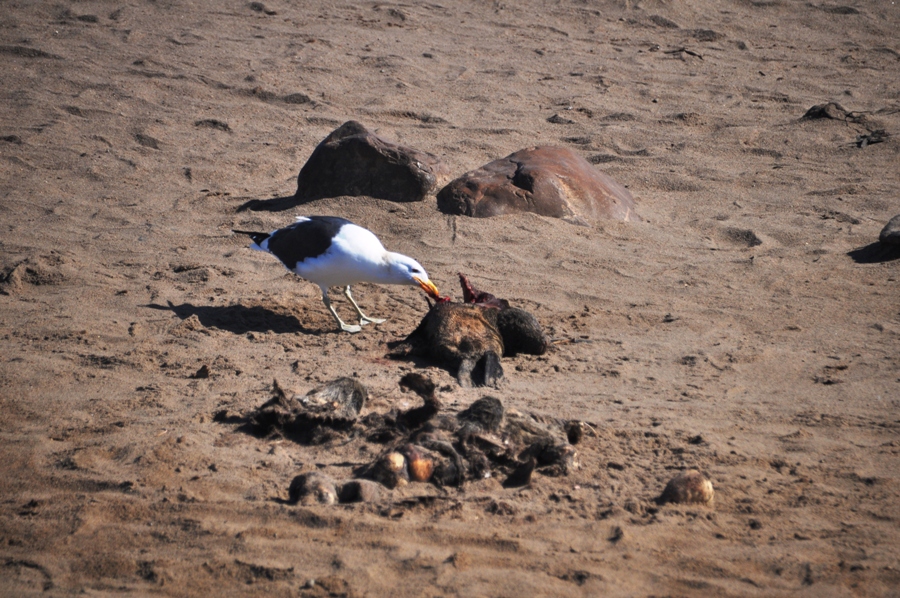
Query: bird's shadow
[[238, 319], [875, 253], [275, 204]]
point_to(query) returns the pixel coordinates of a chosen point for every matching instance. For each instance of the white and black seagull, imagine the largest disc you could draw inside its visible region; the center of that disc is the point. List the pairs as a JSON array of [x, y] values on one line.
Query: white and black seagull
[[332, 251]]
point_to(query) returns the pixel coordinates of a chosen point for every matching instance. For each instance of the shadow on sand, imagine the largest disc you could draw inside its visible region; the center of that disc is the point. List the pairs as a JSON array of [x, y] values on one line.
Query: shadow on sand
[[875, 253], [239, 319], [275, 204]]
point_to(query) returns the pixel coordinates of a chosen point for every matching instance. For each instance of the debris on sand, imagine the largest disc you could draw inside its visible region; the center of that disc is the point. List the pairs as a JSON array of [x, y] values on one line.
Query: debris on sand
[[482, 441], [424, 444], [313, 418]]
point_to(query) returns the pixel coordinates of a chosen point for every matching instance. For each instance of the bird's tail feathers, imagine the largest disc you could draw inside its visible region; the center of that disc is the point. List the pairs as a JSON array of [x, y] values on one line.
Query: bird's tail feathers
[[258, 238]]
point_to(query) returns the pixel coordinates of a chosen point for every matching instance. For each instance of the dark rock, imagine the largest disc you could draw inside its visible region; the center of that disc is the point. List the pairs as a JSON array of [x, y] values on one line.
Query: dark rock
[[831, 110], [202, 373], [890, 234], [556, 119], [212, 123], [354, 161], [550, 181], [661, 21], [707, 35]]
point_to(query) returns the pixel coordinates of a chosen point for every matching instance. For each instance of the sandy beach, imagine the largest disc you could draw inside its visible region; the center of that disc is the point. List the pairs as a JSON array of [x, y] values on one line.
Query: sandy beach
[[748, 325]]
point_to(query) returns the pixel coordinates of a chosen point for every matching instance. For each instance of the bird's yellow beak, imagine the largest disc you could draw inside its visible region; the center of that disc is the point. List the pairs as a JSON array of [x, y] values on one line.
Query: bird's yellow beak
[[428, 287]]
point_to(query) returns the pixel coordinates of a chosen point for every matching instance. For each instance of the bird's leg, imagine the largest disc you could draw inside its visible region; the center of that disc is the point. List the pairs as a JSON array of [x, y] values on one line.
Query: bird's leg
[[363, 318], [344, 327]]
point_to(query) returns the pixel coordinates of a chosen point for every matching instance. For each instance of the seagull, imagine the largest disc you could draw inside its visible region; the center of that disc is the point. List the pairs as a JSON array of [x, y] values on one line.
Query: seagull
[[332, 251]]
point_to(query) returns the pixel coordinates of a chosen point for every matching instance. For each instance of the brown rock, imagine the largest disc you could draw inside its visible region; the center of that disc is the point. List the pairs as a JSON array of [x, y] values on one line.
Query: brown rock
[[354, 161], [550, 181], [688, 487]]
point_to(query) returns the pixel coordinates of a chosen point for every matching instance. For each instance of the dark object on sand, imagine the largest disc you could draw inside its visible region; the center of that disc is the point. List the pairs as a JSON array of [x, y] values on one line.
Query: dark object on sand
[[424, 387], [354, 161], [360, 491], [473, 335], [312, 488], [420, 445], [484, 415], [480, 441], [311, 419], [550, 181], [830, 110]]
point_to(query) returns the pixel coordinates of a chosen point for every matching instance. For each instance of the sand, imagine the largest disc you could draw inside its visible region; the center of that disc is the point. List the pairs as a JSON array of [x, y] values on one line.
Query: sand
[[747, 327]]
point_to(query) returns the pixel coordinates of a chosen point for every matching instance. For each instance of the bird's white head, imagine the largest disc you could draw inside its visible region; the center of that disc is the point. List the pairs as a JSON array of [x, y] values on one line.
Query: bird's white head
[[405, 270]]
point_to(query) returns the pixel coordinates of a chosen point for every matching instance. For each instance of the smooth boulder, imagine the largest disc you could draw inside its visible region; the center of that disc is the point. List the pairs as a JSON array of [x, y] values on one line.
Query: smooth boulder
[[550, 181], [354, 161], [890, 234]]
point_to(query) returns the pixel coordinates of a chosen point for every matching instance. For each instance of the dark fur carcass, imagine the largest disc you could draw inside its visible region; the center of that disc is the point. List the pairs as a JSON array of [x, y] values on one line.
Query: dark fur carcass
[[472, 336]]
